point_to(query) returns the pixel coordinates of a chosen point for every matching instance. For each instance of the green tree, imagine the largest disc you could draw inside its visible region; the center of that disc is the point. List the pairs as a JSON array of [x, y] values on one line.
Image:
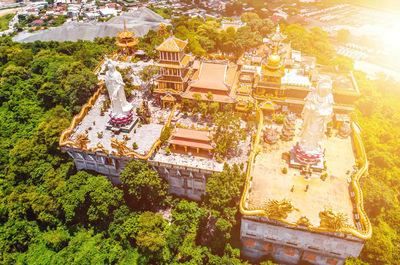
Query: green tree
[[143, 186], [228, 131], [79, 87], [89, 198], [248, 16], [151, 236]]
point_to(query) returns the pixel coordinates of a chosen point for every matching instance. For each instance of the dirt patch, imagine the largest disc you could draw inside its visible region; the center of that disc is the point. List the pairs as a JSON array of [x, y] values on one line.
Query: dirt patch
[[8, 11]]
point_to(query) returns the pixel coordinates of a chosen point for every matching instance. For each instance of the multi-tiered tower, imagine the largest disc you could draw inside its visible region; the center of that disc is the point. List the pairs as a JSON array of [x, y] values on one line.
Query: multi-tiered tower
[[174, 68]]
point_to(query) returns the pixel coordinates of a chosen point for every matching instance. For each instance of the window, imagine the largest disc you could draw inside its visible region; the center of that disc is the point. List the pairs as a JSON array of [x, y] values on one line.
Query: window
[[289, 251], [331, 261], [249, 243], [109, 161], [310, 257], [269, 247], [252, 227]]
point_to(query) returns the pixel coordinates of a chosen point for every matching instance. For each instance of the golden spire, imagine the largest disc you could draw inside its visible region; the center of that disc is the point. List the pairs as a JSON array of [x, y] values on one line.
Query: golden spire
[[275, 48], [162, 29]]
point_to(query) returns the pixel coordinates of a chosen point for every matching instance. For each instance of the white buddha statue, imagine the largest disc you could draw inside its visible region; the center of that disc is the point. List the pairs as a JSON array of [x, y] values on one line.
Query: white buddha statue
[[115, 85], [317, 112]]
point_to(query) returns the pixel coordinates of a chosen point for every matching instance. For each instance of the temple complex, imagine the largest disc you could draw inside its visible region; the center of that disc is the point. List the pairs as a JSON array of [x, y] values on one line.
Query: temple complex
[[303, 159]]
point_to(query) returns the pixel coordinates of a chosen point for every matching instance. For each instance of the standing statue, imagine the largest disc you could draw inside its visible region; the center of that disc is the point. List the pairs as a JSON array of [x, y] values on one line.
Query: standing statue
[[317, 112], [120, 107]]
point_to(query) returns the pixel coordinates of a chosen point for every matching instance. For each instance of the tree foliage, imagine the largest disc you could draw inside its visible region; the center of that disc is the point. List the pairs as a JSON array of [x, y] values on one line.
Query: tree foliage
[[143, 185]]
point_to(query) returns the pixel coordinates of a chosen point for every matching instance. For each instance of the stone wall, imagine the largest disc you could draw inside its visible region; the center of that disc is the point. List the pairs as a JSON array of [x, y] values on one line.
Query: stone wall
[[291, 245], [182, 180]]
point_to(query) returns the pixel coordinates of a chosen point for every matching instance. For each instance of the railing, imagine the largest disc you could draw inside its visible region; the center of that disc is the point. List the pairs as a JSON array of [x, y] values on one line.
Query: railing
[[78, 118]]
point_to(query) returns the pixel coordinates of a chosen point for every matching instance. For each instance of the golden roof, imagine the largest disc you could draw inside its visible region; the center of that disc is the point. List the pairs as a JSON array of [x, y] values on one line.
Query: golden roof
[[274, 61], [172, 44], [168, 97], [126, 34], [127, 43]]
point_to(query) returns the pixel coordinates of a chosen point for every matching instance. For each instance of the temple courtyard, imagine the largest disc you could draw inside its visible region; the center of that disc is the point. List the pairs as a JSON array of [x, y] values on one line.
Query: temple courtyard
[[269, 182]]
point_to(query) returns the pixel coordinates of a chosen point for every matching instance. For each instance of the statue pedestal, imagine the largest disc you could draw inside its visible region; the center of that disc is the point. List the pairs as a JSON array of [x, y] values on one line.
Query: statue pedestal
[[317, 164], [122, 124]]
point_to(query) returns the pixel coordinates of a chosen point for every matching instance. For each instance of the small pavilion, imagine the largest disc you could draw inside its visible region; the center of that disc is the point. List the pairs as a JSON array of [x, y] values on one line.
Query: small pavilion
[[126, 41], [192, 141]]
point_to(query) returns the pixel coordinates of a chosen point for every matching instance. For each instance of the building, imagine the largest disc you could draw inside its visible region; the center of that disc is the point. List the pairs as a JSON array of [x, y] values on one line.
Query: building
[[283, 78], [126, 41], [213, 81], [174, 67]]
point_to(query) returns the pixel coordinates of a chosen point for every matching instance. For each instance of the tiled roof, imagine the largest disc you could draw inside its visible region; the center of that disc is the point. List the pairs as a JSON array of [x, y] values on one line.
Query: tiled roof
[[172, 44], [191, 134], [185, 60], [192, 138], [211, 76]]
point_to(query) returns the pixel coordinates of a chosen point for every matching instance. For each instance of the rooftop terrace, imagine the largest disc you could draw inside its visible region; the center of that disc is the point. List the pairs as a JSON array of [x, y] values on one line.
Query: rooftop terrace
[[194, 121], [94, 124], [144, 135], [269, 183]]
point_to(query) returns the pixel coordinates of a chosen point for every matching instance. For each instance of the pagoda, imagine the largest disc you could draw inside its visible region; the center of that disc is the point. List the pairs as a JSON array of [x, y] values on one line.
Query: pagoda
[[126, 41], [174, 67], [268, 83]]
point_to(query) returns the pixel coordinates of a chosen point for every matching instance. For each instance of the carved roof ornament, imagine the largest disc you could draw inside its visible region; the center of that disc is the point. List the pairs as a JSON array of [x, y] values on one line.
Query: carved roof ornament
[[278, 210], [331, 220]]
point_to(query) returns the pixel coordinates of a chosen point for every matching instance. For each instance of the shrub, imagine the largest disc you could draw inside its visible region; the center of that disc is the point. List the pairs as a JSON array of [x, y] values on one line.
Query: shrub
[[279, 118], [165, 134], [284, 170], [134, 146], [167, 150]]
